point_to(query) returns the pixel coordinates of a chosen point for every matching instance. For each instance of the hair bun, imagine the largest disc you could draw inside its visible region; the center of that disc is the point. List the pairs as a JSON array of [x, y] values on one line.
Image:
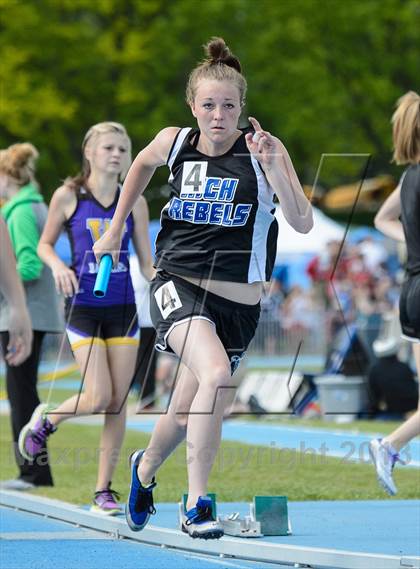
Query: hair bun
[[22, 153], [218, 52], [219, 65]]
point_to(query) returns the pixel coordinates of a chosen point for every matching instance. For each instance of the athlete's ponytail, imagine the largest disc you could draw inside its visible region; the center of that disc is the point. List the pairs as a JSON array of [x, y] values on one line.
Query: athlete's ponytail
[[221, 65], [406, 129]]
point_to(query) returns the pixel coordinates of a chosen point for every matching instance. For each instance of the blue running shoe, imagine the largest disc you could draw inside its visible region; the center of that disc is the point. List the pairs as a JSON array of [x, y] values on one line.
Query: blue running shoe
[[199, 522], [139, 505]]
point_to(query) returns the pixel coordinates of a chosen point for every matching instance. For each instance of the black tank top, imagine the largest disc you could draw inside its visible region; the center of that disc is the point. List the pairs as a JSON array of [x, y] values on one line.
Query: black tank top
[[410, 216], [219, 222]]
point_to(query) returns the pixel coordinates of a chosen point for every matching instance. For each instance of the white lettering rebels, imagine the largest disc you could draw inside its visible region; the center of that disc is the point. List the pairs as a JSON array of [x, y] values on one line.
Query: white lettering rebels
[[204, 199], [220, 189], [215, 213]]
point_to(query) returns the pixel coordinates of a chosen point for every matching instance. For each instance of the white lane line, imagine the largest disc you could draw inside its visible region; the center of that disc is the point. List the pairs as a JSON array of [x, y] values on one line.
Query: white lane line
[[223, 561], [54, 535]]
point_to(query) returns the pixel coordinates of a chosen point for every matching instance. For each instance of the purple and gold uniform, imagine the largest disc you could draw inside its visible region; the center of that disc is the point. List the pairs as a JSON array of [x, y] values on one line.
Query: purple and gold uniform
[[110, 320]]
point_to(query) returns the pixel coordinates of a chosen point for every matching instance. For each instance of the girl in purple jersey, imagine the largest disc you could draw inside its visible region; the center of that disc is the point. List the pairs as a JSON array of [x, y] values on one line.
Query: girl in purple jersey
[[399, 218], [103, 333]]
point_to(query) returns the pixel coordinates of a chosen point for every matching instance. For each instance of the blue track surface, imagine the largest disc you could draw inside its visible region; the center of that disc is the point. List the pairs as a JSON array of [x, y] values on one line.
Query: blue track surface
[[390, 527], [29, 541], [387, 527]]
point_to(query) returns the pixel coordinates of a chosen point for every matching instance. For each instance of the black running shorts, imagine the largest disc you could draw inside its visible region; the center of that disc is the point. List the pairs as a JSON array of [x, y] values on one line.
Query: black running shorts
[[410, 308], [107, 326], [174, 301]]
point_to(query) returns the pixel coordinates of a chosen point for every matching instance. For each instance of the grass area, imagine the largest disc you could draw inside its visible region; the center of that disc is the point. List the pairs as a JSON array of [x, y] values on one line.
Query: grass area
[[240, 471]]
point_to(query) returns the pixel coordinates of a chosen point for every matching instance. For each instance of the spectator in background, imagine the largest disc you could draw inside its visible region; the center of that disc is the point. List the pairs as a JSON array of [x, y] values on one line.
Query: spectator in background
[[332, 288], [25, 213], [374, 253], [392, 386], [20, 327], [387, 293], [298, 312], [357, 269], [332, 261], [281, 276]]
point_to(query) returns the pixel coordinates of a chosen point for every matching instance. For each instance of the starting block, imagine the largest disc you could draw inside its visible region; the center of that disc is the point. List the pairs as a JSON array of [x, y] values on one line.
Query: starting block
[[241, 527], [268, 515], [272, 513]]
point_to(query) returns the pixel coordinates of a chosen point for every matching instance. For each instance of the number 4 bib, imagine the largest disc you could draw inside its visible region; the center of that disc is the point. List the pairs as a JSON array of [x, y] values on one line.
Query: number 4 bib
[[167, 299], [193, 180]]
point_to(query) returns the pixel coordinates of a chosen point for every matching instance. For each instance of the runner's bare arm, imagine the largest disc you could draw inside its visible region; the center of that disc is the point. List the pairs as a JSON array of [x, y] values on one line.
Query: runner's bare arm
[[387, 219], [154, 155]]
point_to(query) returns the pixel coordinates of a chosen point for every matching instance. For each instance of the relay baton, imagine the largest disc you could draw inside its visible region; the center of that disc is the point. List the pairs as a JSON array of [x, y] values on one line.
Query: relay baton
[[102, 278]]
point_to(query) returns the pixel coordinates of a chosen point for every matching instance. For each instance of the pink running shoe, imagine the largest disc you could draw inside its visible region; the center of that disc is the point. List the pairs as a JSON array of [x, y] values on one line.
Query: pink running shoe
[[105, 502], [33, 436]]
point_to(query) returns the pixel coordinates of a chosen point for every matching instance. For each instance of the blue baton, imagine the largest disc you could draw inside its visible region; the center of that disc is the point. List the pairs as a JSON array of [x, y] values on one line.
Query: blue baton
[[102, 278]]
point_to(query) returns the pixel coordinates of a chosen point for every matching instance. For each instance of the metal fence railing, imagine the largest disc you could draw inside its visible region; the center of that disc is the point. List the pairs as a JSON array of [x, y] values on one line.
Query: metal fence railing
[[271, 338]]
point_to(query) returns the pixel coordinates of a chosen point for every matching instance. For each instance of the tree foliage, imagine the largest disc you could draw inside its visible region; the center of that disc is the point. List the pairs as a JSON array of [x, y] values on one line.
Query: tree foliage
[[323, 75]]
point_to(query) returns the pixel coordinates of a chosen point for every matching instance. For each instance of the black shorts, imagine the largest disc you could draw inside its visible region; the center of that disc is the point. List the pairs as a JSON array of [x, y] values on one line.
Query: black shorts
[[174, 301], [110, 325], [410, 308]]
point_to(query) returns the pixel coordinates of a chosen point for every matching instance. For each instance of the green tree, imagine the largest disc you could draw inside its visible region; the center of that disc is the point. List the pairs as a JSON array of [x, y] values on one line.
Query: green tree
[[323, 74]]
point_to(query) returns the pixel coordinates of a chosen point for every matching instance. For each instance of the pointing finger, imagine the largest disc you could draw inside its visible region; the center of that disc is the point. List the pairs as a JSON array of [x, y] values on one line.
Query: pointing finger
[[255, 123]]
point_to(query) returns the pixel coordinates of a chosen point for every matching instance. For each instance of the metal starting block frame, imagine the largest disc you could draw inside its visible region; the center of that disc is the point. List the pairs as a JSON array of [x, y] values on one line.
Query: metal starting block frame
[[268, 515], [236, 526]]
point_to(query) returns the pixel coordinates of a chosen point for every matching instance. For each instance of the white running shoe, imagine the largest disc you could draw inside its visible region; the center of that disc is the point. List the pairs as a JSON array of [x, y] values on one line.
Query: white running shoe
[[16, 484], [384, 459], [199, 522]]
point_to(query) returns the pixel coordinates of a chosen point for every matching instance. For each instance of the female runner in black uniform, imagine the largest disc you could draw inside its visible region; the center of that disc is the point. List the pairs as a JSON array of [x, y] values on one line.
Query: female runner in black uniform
[[399, 218], [215, 249]]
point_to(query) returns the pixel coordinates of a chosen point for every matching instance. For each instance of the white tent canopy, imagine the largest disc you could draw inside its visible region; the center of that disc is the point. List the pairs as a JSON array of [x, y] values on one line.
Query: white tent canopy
[[323, 231]]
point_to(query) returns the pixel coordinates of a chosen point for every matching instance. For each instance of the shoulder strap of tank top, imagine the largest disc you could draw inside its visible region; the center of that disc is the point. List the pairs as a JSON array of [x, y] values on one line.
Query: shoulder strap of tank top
[[178, 142], [83, 194], [400, 183]]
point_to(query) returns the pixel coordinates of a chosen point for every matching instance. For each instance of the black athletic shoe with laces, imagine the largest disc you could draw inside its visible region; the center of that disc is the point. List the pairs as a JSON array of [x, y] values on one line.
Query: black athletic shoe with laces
[[139, 505]]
